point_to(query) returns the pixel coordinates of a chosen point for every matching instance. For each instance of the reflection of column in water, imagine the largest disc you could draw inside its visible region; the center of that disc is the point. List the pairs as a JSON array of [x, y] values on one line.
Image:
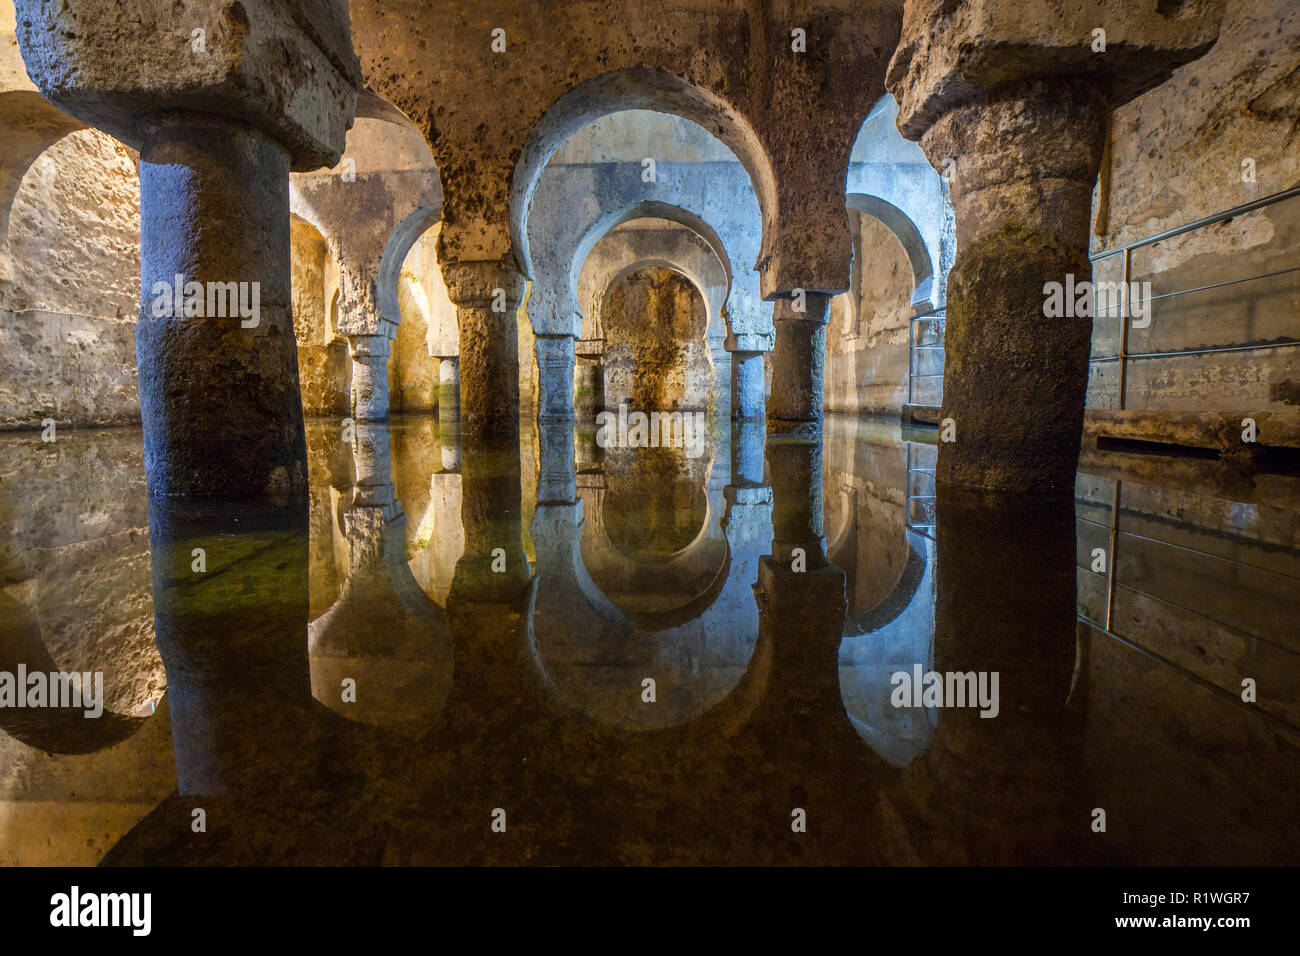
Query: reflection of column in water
[[795, 470], [589, 386], [449, 442], [383, 634], [801, 606], [557, 477], [1006, 604], [233, 641], [747, 446], [494, 566], [589, 455]]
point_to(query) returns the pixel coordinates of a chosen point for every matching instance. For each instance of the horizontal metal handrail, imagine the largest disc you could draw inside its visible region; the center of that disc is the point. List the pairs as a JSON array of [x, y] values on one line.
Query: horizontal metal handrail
[[1214, 285], [1232, 213], [1285, 344]]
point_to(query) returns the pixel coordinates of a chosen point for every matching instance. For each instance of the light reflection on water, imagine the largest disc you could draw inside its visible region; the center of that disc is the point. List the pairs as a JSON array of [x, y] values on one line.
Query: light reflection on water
[[645, 658]]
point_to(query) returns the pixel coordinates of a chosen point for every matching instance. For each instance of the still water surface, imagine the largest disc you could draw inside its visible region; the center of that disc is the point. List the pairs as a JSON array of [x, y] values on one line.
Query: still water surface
[[637, 657]]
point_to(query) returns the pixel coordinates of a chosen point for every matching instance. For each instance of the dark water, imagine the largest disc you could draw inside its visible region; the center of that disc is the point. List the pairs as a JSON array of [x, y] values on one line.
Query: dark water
[[639, 657]]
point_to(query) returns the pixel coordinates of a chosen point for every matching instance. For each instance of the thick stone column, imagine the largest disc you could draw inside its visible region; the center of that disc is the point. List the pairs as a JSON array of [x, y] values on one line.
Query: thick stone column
[[555, 362], [448, 389], [1014, 381], [369, 377], [217, 135], [748, 400], [798, 366], [1010, 100], [487, 297], [219, 396]]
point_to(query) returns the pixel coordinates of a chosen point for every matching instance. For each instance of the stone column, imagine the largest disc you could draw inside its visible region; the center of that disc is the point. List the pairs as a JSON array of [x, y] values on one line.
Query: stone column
[[487, 297], [217, 136], [798, 366], [557, 474], [555, 361], [219, 397], [1014, 381], [747, 454], [1011, 100], [369, 377], [748, 386], [448, 389]]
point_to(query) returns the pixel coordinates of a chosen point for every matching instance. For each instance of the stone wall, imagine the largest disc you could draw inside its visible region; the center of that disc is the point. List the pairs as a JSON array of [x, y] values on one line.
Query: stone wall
[[1186, 150], [69, 286], [866, 340], [656, 355], [322, 352]]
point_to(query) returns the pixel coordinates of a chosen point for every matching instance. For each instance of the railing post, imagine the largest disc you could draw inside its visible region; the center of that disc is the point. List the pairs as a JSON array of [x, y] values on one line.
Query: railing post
[[1123, 328], [1110, 558]]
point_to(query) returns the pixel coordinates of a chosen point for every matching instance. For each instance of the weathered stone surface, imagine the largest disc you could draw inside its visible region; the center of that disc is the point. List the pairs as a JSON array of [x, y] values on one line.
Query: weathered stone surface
[[69, 273], [75, 561], [798, 367], [866, 336], [487, 297], [1221, 132], [950, 51], [230, 426], [285, 68], [656, 357], [1220, 431], [729, 67]]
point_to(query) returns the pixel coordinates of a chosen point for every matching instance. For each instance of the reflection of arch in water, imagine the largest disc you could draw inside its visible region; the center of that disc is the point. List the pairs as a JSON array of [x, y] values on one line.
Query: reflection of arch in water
[[596, 654], [51, 729], [623, 570], [384, 631], [893, 636]]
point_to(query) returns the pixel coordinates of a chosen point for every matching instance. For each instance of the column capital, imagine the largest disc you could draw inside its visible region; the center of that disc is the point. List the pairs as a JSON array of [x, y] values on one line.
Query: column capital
[[816, 308], [955, 51], [483, 284], [283, 66]]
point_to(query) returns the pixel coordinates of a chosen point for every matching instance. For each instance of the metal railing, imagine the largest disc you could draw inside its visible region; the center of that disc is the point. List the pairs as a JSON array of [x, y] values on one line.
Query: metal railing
[[1126, 251], [918, 475], [935, 319], [1115, 535]]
